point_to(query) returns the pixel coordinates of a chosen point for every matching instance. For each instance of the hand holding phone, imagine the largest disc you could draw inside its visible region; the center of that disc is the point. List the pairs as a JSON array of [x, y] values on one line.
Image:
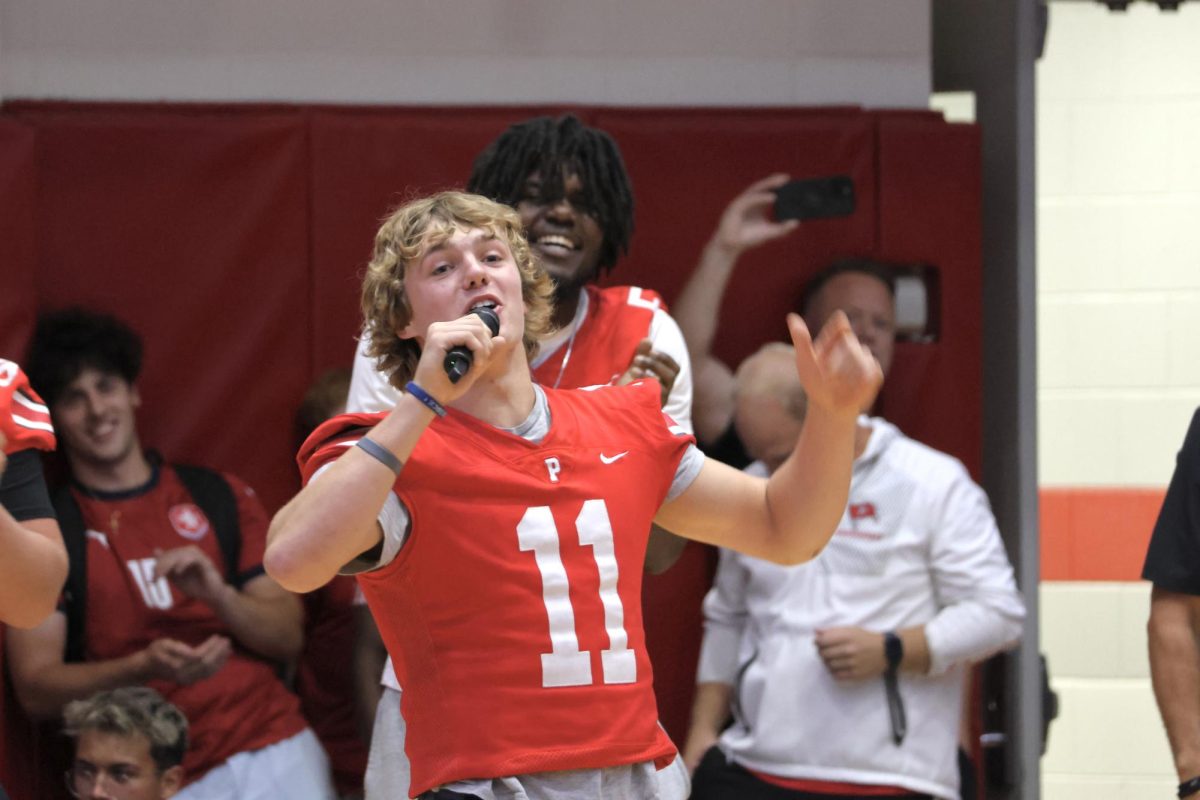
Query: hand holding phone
[[815, 198]]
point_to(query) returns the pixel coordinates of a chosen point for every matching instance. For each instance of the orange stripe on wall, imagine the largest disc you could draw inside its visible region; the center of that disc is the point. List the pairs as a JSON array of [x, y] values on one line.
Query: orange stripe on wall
[[1096, 534]]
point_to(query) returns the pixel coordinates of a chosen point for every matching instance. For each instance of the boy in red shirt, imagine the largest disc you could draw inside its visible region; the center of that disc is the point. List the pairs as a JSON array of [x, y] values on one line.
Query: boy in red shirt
[[163, 604]]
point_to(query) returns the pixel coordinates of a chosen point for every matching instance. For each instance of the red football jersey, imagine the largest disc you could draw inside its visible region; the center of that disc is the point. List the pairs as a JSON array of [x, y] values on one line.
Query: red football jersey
[[24, 418], [617, 319], [244, 706], [513, 611]]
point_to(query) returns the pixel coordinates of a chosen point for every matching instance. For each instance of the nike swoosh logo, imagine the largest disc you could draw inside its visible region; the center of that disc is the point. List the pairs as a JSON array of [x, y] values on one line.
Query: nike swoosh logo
[[611, 459]]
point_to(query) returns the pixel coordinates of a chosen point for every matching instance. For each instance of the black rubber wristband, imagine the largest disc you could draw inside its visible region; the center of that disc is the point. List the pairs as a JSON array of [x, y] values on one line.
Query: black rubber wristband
[[1189, 787], [381, 454]]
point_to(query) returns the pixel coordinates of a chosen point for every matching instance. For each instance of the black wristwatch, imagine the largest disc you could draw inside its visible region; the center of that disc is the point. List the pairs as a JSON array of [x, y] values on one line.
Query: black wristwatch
[[893, 650], [1189, 787]]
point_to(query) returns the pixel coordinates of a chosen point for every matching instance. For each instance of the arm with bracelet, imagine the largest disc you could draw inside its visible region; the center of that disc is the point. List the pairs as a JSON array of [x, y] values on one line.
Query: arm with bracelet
[[345, 502]]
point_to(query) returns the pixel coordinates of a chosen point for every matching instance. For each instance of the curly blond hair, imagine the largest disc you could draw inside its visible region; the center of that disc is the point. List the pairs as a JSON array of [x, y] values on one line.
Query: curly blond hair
[[405, 236], [132, 711]]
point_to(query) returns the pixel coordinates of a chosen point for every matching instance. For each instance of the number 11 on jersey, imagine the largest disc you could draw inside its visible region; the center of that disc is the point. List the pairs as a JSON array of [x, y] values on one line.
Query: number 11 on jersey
[[566, 664]]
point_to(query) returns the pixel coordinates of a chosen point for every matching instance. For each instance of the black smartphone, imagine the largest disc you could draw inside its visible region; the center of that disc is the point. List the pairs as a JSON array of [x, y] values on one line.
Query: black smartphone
[[815, 198]]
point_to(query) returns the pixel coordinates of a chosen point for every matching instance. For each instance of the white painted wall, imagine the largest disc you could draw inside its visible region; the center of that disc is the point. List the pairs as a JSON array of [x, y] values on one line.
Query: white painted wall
[[1118, 242], [627, 52], [1108, 742], [1118, 349]]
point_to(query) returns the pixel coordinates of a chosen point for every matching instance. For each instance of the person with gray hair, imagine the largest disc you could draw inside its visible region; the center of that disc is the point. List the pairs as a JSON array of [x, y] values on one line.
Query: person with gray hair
[[769, 405], [129, 743], [845, 674]]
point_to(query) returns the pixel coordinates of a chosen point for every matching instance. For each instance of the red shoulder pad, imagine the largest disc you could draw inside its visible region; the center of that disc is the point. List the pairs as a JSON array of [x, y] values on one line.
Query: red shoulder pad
[[24, 418], [331, 438]]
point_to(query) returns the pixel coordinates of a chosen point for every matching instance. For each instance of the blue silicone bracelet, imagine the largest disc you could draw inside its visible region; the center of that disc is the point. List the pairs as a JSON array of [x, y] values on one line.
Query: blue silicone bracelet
[[424, 396]]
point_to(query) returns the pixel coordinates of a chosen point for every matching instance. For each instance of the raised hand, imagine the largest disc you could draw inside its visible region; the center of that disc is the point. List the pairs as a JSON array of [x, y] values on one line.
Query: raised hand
[[192, 572], [746, 221], [648, 362], [839, 375]]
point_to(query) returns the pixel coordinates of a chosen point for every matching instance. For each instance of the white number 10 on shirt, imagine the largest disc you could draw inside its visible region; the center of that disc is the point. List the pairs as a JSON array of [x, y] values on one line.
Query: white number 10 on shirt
[[566, 664]]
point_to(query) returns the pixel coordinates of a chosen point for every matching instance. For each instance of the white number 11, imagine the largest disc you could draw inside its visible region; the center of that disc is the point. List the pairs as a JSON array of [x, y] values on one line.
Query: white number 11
[[566, 664]]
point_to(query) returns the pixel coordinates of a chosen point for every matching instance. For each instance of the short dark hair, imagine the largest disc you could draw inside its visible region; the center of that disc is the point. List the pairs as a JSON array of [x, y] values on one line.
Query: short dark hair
[[67, 342], [131, 711], [551, 146], [879, 270]]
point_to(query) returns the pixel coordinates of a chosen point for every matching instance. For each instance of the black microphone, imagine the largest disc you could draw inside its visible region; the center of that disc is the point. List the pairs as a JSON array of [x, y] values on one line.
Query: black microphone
[[459, 358]]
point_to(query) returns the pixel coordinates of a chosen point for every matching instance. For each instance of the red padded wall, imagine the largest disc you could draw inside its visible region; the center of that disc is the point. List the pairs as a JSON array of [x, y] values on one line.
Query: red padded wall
[[364, 162], [232, 238], [17, 250], [21, 772], [194, 227], [929, 212], [687, 165]]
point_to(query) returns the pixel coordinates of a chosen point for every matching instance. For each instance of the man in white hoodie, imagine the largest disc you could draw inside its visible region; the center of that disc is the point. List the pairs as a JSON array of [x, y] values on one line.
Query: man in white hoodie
[[845, 675]]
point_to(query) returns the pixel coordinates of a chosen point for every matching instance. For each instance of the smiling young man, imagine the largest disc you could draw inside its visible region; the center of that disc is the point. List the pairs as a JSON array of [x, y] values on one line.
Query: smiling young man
[[499, 526], [568, 183], [166, 586]]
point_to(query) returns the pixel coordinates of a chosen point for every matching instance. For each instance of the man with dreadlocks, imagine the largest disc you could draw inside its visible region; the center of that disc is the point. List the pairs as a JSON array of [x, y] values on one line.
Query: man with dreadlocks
[[568, 183]]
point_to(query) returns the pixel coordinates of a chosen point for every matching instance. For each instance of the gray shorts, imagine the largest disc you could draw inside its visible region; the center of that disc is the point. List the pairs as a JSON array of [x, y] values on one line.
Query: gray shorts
[[388, 773]]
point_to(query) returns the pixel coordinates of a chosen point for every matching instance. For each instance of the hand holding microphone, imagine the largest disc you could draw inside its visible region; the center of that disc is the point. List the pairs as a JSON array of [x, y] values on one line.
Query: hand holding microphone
[[459, 358]]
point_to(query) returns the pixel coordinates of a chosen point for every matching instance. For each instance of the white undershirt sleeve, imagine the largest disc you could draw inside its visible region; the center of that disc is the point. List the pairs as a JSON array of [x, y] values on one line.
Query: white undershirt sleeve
[[393, 519], [686, 472], [369, 389], [667, 338]]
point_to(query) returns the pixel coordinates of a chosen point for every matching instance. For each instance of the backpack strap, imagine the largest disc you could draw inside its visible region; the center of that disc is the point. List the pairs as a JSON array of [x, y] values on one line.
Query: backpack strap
[[215, 497], [211, 492], [70, 522]]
